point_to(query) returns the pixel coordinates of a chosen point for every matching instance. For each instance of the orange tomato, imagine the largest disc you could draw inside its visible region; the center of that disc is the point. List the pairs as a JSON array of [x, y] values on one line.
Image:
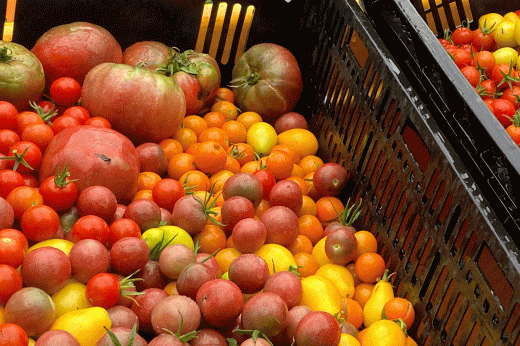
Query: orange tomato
[[310, 227], [215, 134], [212, 238], [301, 182], [242, 152], [195, 180], [306, 263], [218, 179], [232, 164], [195, 123], [308, 206], [179, 164], [400, 308], [185, 137], [353, 312], [301, 244], [366, 242], [225, 94], [249, 118], [280, 164], [369, 267], [22, 198], [227, 108], [310, 163], [171, 147], [214, 119], [143, 194], [210, 157], [225, 256], [293, 154], [236, 131], [328, 208], [147, 180], [362, 293]]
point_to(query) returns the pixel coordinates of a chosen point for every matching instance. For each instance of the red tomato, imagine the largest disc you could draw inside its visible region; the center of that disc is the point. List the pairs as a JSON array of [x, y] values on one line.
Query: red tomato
[[122, 228], [167, 192], [267, 179], [99, 122], [78, 112], [15, 234], [39, 223], [65, 91], [8, 116], [462, 35], [471, 74], [13, 335], [103, 290], [59, 192], [482, 40], [9, 180], [7, 138], [90, 227], [25, 156], [504, 110], [504, 75], [64, 121], [487, 88], [12, 252], [485, 61], [461, 57], [10, 282], [512, 94]]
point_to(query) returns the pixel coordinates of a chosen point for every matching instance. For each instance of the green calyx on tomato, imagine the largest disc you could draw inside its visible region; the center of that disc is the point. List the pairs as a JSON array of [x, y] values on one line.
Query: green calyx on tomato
[[255, 334], [350, 214], [18, 158], [60, 178], [126, 286], [46, 116], [116, 341], [250, 79], [6, 54]]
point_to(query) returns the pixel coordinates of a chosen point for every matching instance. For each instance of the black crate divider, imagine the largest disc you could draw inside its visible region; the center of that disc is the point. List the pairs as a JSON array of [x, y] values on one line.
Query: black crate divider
[[450, 253]]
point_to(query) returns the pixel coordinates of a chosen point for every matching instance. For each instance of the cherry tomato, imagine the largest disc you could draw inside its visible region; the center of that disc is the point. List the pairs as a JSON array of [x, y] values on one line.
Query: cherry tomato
[[25, 157], [40, 223], [462, 35], [512, 94], [486, 88], [12, 252], [7, 138], [504, 110], [64, 121], [90, 227], [9, 180], [461, 57], [482, 40], [10, 282], [103, 290], [8, 115], [13, 335], [59, 191], [122, 228], [504, 76], [471, 74], [78, 112], [267, 179], [484, 61], [65, 91]]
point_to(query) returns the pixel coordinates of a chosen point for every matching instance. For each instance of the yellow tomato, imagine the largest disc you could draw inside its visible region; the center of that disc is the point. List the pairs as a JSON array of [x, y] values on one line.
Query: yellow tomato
[[2, 319], [218, 179], [490, 21], [348, 340], [384, 333], [71, 297], [506, 55], [320, 294], [86, 325], [340, 276], [504, 34], [511, 17], [60, 244], [261, 137], [304, 141], [517, 32], [276, 256], [31, 342], [171, 234], [318, 252], [249, 118]]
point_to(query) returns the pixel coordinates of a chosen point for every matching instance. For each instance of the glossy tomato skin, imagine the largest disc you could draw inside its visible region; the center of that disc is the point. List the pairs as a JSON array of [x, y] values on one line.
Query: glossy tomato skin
[[142, 105], [22, 78], [71, 50], [318, 328], [10, 282], [103, 290], [267, 80], [95, 156], [59, 198]]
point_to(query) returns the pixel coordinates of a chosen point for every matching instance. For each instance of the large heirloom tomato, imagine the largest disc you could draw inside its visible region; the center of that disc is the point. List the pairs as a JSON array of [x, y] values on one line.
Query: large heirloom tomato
[[71, 50], [267, 80], [148, 54], [95, 156], [144, 106], [198, 75], [22, 78]]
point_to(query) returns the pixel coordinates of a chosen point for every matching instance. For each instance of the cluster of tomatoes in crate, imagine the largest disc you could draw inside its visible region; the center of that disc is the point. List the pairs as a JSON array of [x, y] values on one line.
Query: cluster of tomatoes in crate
[[142, 203], [488, 58]]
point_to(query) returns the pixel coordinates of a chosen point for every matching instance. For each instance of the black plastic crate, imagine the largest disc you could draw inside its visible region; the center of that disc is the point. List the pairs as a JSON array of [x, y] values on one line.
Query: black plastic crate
[[480, 140], [451, 253]]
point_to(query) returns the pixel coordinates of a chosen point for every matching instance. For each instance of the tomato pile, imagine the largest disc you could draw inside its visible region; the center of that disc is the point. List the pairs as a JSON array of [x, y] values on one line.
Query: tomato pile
[[143, 203], [488, 58]]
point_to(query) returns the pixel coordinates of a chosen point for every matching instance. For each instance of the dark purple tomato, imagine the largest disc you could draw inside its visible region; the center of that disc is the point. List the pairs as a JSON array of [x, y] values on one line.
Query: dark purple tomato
[[318, 328], [266, 312]]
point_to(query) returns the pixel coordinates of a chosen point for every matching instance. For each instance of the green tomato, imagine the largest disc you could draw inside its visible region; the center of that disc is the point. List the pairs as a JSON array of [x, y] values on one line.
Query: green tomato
[[71, 297], [504, 34], [506, 55], [262, 137]]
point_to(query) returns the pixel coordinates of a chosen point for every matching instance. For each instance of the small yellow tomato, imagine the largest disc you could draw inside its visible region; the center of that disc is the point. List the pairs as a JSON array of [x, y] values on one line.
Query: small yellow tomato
[[490, 21], [71, 297], [504, 34], [340, 276], [277, 257], [262, 137], [506, 55], [321, 294], [318, 252], [511, 17], [304, 141], [348, 340], [517, 32], [86, 325], [384, 333], [60, 244]]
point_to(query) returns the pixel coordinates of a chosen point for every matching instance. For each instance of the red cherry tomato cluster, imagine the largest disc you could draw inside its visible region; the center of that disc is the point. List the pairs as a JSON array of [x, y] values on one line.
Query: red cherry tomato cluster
[[498, 84]]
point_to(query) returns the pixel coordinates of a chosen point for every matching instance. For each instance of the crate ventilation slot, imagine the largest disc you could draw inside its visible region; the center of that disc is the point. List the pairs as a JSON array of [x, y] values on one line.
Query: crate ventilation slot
[[439, 16]]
